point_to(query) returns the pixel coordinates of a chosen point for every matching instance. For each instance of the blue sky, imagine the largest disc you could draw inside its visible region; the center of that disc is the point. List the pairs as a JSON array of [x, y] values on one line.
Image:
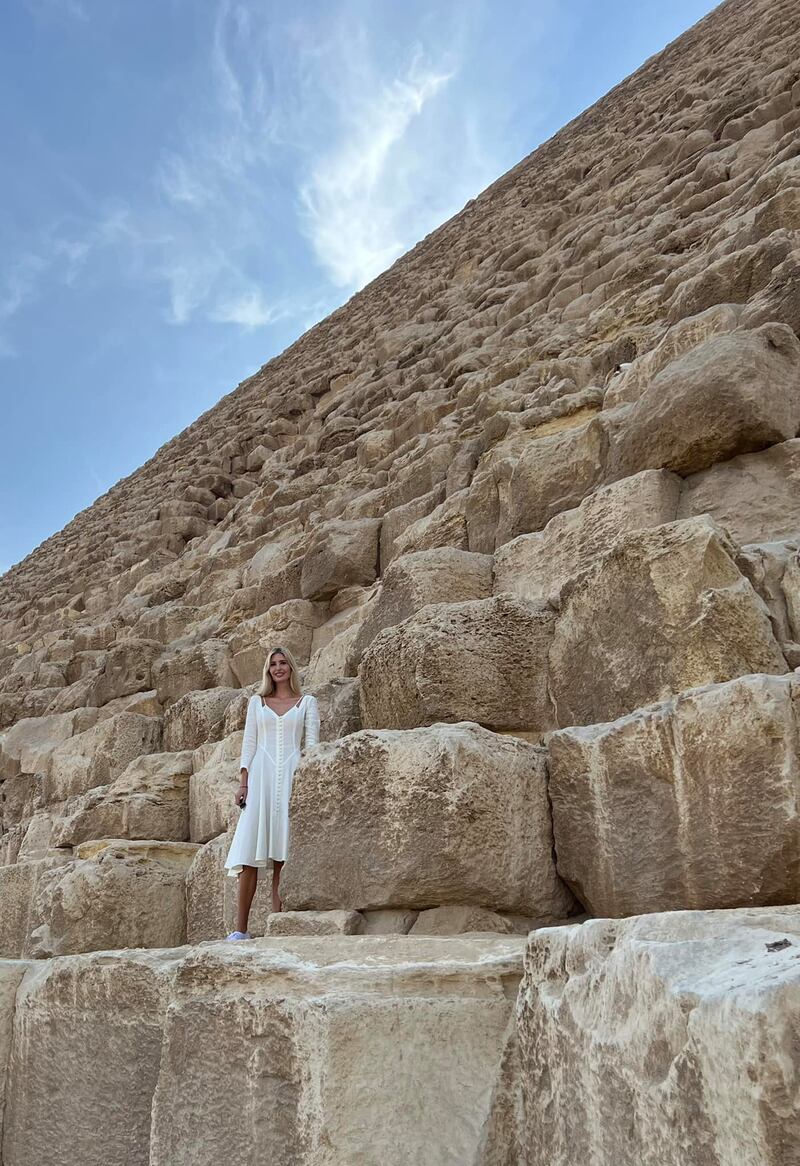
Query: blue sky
[[187, 185]]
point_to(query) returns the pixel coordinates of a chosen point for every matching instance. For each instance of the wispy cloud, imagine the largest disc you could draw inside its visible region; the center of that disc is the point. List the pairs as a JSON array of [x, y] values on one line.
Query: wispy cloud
[[249, 310], [356, 200]]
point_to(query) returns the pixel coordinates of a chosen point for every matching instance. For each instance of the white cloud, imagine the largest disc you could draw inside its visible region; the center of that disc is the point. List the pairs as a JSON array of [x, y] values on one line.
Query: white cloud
[[355, 200], [249, 310]]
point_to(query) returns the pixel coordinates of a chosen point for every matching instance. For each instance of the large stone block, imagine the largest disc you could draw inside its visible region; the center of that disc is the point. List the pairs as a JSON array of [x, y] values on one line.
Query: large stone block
[[87, 1034], [484, 660], [535, 566], [688, 803], [126, 669], [451, 814], [412, 581], [26, 745], [18, 883], [212, 788], [755, 497], [197, 717], [730, 395], [665, 610], [115, 894], [98, 755], [291, 624], [188, 669], [662, 1041], [150, 799], [316, 1037], [341, 554]]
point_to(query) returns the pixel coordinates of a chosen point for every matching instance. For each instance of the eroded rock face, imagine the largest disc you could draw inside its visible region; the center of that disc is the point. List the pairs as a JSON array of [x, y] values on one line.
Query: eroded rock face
[[689, 803], [450, 814], [484, 660], [680, 1062], [314, 1035], [690, 618]]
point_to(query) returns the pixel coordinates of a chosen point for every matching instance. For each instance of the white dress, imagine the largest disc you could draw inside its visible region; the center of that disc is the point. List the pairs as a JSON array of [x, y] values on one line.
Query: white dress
[[270, 753]]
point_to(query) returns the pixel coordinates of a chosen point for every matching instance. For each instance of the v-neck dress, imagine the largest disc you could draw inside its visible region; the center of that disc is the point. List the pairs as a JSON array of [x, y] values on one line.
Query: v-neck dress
[[270, 753]]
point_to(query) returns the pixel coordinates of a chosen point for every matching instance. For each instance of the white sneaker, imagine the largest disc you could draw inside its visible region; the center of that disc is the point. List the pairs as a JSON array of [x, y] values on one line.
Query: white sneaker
[[234, 935]]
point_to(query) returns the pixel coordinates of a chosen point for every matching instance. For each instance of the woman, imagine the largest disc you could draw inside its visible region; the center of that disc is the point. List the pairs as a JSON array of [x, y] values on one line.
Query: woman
[[279, 720]]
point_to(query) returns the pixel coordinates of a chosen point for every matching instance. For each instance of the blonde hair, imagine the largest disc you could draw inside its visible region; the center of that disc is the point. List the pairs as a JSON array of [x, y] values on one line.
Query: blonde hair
[[267, 687]]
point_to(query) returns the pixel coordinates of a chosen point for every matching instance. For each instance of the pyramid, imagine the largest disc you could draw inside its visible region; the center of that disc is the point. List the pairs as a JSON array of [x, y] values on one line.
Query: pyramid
[[526, 510]]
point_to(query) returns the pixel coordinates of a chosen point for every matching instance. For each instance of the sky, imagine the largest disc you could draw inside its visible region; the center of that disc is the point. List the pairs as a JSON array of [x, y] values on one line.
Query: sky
[[186, 186]]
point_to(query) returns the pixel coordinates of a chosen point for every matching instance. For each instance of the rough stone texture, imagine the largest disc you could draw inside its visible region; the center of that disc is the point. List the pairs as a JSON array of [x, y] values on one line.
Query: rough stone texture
[[214, 781], [315, 923], [730, 395], [755, 497], [689, 803], [689, 616], [662, 1041], [98, 755], [315, 1036], [451, 814], [115, 894], [150, 799], [535, 566], [485, 661], [18, 884], [458, 920], [343, 554], [197, 717], [445, 575]]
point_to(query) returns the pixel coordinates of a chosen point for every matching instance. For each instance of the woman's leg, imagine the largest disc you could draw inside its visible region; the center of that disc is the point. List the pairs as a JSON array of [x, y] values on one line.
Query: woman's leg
[[276, 879], [248, 879]]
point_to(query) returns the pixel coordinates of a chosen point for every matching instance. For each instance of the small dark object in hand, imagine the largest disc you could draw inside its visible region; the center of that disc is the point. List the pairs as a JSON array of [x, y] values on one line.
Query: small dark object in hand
[[242, 803], [778, 945]]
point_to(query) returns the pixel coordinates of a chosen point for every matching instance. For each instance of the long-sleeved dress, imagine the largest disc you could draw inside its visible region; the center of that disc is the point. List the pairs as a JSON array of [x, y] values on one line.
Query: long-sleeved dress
[[270, 753]]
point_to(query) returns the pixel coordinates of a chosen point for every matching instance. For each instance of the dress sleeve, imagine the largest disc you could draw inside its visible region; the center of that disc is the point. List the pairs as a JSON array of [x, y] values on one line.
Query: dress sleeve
[[250, 739], [311, 723]]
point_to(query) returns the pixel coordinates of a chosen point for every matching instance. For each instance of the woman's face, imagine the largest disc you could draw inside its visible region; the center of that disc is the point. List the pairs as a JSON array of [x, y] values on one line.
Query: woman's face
[[279, 667]]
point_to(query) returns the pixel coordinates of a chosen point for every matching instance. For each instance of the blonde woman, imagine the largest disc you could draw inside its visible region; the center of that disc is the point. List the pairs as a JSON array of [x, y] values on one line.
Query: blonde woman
[[280, 720]]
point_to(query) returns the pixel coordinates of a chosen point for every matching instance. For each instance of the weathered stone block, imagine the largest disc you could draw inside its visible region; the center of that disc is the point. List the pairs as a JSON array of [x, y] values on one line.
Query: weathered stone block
[[451, 814], [341, 554], [665, 610], [98, 755], [689, 803], [484, 661], [661, 1041], [196, 718]]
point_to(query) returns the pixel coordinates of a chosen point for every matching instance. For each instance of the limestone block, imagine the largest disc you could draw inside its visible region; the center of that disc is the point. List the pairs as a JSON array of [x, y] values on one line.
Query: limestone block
[[730, 395], [485, 660], [26, 745], [400, 518], [196, 718], [339, 708], [661, 1041], [127, 669], [98, 755], [11, 973], [341, 554], [681, 338], [211, 894], [198, 666], [554, 472], [389, 921], [18, 883], [688, 803], [314, 923], [756, 496], [451, 814], [212, 788], [689, 618], [459, 920], [445, 526], [331, 662], [289, 624], [338, 1020], [150, 799], [412, 581], [115, 894], [97, 1023], [535, 566], [773, 570]]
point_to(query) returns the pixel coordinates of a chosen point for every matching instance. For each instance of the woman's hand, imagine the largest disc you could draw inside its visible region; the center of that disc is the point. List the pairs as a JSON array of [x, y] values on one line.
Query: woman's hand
[[241, 796]]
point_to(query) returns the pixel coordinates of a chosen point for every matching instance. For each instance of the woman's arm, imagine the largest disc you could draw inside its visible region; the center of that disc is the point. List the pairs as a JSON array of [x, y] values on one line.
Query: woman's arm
[[311, 724], [249, 742]]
